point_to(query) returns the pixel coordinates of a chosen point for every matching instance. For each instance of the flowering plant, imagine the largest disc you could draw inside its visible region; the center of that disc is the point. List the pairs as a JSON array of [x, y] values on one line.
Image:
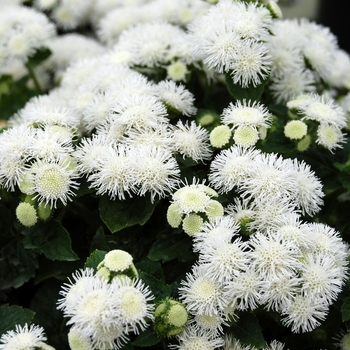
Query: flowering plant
[[172, 175]]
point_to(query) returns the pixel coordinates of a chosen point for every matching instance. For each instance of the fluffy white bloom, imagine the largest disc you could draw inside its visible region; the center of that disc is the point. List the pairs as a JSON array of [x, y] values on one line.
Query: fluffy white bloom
[[230, 167], [202, 294], [113, 169], [321, 277], [273, 257], [52, 181], [304, 314], [291, 84], [176, 97], [191, 141], [251, 64], [309, 192], [330, 136], [14, 145], [193, 339], [245, 289], [246, 113], [133, 304], [155, 171], [139, 111], [22, 338], [212, 325], [22, 31], [222, 258]]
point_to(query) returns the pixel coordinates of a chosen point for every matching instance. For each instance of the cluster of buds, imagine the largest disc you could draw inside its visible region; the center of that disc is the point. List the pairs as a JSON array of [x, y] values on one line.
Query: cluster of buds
[[191, 206]]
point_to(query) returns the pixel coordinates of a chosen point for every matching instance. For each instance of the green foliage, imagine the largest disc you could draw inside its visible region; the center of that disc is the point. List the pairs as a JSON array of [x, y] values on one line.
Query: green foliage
[[146, 338], [12, 315], [120, 214]]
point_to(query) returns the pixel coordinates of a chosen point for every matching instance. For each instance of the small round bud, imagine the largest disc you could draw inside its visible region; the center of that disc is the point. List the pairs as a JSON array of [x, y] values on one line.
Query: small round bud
[[192, 224], [174, 215], [214, 209], [171, 317], [220, 136], [78, 341], [26, 214], [177, 71], [274, 9], [103, 273], [295, 129], [246, 136], [26, 184], [304, 143], [44, 211], [206, 119], [119, 262]]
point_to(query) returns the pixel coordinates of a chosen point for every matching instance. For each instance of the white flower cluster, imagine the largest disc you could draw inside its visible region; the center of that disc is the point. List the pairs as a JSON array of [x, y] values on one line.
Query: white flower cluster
[[246, 120], [229, 38], [26, 337], [309, 58], [102, 314], [191, 206], [328, 115], [23, 30], [296, 269], [269, 185]]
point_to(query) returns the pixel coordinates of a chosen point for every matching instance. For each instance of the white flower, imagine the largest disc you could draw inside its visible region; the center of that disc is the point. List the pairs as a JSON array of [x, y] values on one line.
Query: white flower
[[222, 258], [272, 256], [246, 113], [270, 177], [176, 97], [133, 304], [309, 188], [330, 136], [251, 64], [89, 152], [279, 291], [155, 171], [304, 314], [53, 181], [23, 338], [234, 344], [246, 136], [292, 83], [209, 324], [324, 110], [191, 141], [202, 294], [113, 170], [14, 145], [139, 111], [194, 339], [245, 289], [320, 277], [230, 167]]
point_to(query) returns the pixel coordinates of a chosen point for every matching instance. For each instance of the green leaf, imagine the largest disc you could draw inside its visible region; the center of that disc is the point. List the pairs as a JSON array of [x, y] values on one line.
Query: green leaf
[[39, 56], [13, 315], [120, 214], [99, 241], [252, 93], [50, 239], [159, 289], [248, 331], [345, 310], [94, 259], [344, 179], [44, 304], [146, 338], [17, 265], [170, 245]]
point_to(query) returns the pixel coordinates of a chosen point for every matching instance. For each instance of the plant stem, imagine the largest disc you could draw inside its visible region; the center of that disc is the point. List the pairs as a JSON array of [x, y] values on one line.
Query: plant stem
[[33, 76]]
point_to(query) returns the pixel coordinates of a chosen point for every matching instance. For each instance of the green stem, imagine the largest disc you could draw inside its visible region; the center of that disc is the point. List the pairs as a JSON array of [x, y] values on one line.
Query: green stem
[[35, 80]]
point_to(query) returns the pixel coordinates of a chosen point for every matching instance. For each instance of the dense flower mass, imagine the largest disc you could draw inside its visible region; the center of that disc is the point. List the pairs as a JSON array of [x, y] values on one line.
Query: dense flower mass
[[189, 160]]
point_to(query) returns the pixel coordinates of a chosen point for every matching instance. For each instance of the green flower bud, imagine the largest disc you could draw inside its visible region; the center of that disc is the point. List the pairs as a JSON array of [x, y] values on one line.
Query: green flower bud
[[171, 317], [220, 136], [295, 129], [44, 211], [214, 209], [26, 214], [192, 224], [174, 216]]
